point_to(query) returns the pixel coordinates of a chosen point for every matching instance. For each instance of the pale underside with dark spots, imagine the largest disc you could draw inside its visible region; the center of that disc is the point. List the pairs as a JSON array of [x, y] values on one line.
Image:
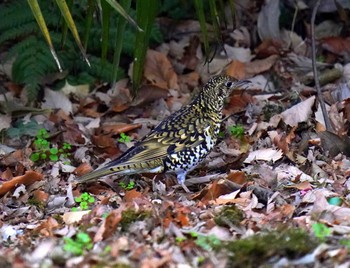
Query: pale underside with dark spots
[[179, 143]]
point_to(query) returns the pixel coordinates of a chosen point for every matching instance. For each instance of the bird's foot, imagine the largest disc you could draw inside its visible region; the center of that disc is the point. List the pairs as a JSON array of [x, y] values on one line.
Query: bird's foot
[[185, 188]]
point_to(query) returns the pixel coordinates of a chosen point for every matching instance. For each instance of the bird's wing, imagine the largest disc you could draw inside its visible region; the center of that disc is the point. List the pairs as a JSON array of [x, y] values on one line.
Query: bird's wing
[[157, 146]]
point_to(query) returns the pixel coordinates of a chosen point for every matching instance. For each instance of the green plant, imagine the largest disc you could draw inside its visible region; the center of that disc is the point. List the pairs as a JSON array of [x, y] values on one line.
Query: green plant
[[44, 150], [236, 131], [78, 245], [128, 186], [32, 59], [124, 138], [345, 242], [321, 231], [206, 242], [84, 200]]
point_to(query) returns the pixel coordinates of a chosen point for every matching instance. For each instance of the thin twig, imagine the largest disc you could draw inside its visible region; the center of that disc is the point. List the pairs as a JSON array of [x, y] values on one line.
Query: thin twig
[[317, 84]]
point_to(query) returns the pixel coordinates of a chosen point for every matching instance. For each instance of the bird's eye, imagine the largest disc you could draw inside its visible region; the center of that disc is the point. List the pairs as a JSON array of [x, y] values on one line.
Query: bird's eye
[[228, 84]]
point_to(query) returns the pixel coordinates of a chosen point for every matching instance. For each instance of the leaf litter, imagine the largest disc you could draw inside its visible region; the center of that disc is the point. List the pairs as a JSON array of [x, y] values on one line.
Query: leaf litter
[[254, 200]]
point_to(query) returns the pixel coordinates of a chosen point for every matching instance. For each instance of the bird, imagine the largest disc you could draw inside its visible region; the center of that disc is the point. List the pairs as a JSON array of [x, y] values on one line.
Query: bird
[[181, 141]]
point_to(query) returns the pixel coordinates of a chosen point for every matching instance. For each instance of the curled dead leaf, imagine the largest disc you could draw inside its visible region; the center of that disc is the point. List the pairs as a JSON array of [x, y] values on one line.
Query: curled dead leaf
[[27, 179], [159, 71]]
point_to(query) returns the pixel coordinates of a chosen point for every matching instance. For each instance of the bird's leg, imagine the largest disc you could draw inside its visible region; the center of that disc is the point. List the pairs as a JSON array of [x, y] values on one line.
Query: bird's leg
[[181, 180]]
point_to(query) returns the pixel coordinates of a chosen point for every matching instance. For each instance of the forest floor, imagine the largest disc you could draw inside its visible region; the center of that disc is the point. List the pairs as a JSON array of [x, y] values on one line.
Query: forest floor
[[274, 191]]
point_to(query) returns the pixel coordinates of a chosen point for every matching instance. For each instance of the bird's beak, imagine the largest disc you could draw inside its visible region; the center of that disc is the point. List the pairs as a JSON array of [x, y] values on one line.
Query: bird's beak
[[240, 83]]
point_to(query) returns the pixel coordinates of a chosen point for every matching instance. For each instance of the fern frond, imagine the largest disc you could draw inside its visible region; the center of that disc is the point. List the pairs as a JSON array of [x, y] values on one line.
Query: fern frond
[[31, 65], [18, 31], [14, 14]]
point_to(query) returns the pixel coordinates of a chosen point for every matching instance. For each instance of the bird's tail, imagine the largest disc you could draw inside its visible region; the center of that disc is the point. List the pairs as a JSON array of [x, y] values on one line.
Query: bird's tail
[[103, 171]]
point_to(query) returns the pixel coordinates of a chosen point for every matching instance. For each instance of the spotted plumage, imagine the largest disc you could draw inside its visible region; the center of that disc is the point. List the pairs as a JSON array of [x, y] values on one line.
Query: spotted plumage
[[180, 142]]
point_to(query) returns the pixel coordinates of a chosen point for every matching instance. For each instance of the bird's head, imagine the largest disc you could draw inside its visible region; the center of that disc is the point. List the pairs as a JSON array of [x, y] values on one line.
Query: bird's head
[[218, 88]]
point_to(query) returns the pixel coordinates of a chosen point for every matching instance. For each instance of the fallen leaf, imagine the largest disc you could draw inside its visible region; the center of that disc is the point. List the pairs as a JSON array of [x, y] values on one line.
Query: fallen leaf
[[330, 213], [268, 154], [57, 100], [131, 195], [5, 121], [74, 216], [238, 177], [27, 179], [236, 69], [111, 223], [149, 93], [159, 72], [47, 227], [296, 114], [117, 128], [82, 169], [259, 66], [305, 185], [337, 45]]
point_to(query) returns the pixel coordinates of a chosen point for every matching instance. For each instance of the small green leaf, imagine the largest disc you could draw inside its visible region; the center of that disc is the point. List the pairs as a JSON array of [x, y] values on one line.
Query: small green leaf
[[236, 131], [321, 230], [53, 150], [345, 242], [124, 138], [91, 199], [83, 238], [84, 205], [35, 157], [43, 156], [180, 239], [53, 157], [67, 146]]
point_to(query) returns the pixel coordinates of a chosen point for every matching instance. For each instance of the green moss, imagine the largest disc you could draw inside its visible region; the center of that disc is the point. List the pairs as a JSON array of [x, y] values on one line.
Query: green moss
[[130, 215], [259, 249], [34, 202], [229, 215], [104, 264]]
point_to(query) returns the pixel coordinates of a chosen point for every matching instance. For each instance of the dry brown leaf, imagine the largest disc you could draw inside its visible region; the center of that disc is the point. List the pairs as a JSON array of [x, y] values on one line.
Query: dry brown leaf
[[238, 102], [236, 69], [159, 71], [47, 227], [27, 179], [15, 157], [111, 223], [259, 66], [237, 177], [305, 185], [131, 195], [121, 99], [149, 93], [6, 175], [337, 45], [118, 128], [267, 48], [106, 143], [40, 196], [82, 169]]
